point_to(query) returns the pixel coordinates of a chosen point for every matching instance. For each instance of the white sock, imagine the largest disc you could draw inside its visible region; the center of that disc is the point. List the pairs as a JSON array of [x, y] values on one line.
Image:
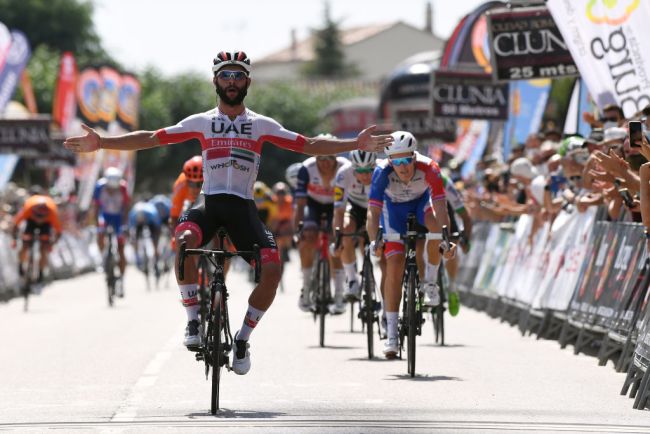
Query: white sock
[[430, 272], [339, 281], [250, 321], [391, 325], [190, 300], [306, 277], [350, 271]]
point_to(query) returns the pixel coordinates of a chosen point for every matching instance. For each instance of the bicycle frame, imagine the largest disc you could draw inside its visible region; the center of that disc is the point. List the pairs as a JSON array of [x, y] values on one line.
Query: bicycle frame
[[217, 335]]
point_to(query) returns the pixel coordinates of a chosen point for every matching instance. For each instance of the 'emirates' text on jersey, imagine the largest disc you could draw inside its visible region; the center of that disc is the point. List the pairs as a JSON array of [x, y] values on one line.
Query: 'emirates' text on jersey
[[231, 149], [386, 185]]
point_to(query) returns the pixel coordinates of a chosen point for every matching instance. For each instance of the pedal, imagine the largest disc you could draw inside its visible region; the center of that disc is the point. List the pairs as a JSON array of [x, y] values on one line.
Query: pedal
[[195, 349], [199, 357]]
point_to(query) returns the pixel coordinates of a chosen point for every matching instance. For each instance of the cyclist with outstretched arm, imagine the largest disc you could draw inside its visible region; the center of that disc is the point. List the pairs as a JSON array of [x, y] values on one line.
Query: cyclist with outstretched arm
[[231, 138], [406, 182]]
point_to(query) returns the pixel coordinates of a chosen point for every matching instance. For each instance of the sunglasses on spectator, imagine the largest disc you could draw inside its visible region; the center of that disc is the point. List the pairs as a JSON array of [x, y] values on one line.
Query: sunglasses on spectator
[[226, 74], [193, 184], [364, 169], [610, 119], [400, 161]]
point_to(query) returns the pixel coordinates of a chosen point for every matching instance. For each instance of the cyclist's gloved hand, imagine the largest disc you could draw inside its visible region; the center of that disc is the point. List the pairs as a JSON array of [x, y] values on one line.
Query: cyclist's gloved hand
[[450, 252], [376, 247]]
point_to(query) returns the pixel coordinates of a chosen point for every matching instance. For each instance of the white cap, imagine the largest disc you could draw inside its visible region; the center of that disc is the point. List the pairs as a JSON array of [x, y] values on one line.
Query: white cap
[[614, 134], [524, 168]]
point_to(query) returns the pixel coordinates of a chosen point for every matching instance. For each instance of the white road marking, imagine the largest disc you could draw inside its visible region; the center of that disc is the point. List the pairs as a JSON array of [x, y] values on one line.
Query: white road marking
[[129, 408]]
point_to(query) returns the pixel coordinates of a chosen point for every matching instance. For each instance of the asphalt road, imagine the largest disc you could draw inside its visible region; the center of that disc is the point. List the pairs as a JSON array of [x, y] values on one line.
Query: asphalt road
[[74, 364]]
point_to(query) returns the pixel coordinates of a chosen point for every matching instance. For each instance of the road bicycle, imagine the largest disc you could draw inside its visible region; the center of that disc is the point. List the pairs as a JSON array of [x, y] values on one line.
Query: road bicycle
[[110, 265], [369, 305], [217, 336]]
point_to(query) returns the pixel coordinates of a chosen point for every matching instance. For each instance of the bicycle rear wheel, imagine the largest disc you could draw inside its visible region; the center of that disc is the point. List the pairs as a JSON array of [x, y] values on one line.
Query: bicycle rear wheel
[[216, 350], [412, 326], [323, 297]]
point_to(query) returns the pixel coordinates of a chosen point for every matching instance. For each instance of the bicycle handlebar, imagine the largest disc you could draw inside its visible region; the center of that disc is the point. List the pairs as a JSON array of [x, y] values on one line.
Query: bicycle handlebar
[[338, 235], [253, 255]]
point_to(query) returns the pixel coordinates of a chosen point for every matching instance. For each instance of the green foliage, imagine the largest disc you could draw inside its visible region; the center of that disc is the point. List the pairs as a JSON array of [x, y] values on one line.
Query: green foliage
[[43, 68], [64, 25], [329, 58]]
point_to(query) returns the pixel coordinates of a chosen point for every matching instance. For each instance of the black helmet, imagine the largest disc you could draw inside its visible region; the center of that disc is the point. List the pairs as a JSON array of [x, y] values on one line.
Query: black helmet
[[225, 58]]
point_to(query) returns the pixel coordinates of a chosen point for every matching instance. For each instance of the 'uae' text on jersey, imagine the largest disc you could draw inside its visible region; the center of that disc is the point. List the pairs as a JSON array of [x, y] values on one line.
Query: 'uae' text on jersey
[[231, 149]]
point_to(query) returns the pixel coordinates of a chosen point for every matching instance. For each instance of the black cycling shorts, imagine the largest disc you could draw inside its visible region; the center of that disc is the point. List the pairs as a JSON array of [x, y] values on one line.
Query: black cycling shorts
[[154, 230], [315, 210], [237, 215], [44, 231], [357, 213]]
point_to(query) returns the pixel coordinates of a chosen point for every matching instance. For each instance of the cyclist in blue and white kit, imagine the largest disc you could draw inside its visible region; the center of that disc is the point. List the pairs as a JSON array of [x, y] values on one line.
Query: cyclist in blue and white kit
[[231, 138], [407, 182], [350, 211], [111, 205], [145, 214], [314, 196]]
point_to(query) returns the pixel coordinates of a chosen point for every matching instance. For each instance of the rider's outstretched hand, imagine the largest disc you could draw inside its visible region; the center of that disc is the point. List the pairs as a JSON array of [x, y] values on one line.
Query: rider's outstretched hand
[[370, 143], [86, 143]]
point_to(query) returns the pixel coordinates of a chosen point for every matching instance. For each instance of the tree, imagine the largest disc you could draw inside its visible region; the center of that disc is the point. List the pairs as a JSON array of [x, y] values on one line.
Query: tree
[[64, 25], [329, 58]]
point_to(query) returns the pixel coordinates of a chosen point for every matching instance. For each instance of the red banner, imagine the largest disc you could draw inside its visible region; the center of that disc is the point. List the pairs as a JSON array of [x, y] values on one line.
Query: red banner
[[64, 105]]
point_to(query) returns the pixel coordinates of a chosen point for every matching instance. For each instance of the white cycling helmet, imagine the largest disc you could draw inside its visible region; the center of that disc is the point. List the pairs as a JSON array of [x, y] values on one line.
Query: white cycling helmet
[[361, 158], [403, 141], [113, 176], [291, 174]]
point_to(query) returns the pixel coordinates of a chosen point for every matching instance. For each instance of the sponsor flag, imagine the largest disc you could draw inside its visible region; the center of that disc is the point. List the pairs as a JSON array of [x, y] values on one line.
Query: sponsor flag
[[5, 43], [89, 93], [128, 102], [28, 92], [16, 60], [111, 80], [64, 103], [607, 40], [527, 104]]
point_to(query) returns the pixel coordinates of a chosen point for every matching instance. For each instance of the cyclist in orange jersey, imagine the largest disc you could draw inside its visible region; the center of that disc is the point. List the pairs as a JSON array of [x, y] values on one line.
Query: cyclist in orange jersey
[[40, 214], [282, 225], [186, 188]]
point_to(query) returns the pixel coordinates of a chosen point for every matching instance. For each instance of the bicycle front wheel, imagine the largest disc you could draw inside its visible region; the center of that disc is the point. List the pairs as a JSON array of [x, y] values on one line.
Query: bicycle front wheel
[[369, 306], [412, 326], [216, 350]]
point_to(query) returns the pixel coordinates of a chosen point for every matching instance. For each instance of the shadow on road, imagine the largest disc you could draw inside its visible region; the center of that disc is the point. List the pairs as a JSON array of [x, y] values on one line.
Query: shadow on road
[[225, 413], [444, 346], [423, 378], [333, 347]]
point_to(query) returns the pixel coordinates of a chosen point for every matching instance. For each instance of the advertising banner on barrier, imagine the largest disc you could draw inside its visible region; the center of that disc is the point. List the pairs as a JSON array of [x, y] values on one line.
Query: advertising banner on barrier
[[559, 295], [472, 261], [622, 273], [525, 43], [607, 40], [16, 60], [579, 306], [625, 316], [468, 95]]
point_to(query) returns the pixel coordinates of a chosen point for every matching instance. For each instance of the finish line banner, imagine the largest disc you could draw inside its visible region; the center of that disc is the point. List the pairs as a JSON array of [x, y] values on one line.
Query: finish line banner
[[468, 96], [525, 43], [608, 41]]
